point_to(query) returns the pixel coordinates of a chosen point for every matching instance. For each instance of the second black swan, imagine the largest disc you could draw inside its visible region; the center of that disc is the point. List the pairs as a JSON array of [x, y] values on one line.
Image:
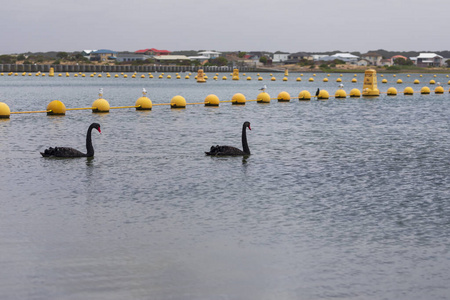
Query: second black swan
[[71, 152], [228, 150]]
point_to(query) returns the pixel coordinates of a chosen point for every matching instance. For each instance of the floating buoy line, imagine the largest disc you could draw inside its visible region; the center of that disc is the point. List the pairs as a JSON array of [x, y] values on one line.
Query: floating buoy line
[[101, 105]]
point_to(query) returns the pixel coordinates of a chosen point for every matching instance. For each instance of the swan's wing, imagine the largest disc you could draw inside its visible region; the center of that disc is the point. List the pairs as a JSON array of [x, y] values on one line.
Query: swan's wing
[[224, 150]]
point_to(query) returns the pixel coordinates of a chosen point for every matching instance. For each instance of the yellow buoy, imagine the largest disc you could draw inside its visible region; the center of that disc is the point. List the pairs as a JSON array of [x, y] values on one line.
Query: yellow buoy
[[323, 95], [311, 79], [304, 95], [285, 79], [59, 75], [340, 94], [439, 90], [179, 77], [260, 78], [212, 100], [340, 75], [399, 81], [116, 76], [74, 75], [249, 78], [169, 77], [161, 76], [354, 80], [425, 90], [338, 80], [273, 79], [150, 76], [408, 91], [407, 75], [325, 79], [355, 93], [201, 78], [142, 76], [299, 79], [432, 81], [125, 76], [263, 97], [354, 75], [284, 97], [92, 75], [370, 87], [100, 106], [56, 107], [5, 112], [178, 102], [143, 103], [448, 82], [67, 74], [392, 91], [83, 75], [186, 77], [434, 76], [314, 75], [416, 81], [381, 75], [99, 75], [215, 78], [238, 99], [224, 77], [394, 75], [384, 80]]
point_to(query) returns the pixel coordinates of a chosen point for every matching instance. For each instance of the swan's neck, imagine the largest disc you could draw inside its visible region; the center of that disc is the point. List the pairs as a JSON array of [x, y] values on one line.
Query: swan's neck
[[244, 141], [89, 147]]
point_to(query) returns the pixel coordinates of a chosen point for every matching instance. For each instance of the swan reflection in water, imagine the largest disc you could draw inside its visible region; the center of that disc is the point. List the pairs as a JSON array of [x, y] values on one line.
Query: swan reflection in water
[[233, 151]]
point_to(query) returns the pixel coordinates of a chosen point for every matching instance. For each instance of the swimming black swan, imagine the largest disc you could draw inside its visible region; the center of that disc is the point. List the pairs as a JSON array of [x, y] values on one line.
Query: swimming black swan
[[70, 152], [228, 150]]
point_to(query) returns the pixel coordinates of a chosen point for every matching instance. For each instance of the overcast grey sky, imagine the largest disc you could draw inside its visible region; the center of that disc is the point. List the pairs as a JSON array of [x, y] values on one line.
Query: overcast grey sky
[[225, 25]]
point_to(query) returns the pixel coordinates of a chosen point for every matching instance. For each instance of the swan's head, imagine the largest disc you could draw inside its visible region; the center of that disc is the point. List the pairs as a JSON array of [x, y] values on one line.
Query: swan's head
[[96, 126], [247, 124]]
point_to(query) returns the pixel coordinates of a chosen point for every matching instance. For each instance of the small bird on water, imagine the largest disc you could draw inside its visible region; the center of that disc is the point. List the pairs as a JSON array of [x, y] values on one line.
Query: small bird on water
[[263, 88]]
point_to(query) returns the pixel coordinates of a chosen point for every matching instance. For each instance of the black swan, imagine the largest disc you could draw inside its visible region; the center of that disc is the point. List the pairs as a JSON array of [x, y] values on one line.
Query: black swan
[[228, 150], [70, 152]]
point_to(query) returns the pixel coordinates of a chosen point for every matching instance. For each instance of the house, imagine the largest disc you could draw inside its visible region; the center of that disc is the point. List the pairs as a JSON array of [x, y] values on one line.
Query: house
[[87, 53], [298, 56], [153, 52], [386, 62], [364, 62], [171, 58], [210, 54], [347, 57], [280, 57], [373, 58], [429, 60], [393, 58], [102, 55], [124, 57]]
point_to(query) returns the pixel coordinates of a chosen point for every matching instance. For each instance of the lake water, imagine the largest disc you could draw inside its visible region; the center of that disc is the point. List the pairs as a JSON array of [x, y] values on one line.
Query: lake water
[[340, 199]]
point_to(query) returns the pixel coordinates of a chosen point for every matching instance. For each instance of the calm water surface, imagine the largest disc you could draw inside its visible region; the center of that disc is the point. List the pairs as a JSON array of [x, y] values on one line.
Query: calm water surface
[[340, 199]]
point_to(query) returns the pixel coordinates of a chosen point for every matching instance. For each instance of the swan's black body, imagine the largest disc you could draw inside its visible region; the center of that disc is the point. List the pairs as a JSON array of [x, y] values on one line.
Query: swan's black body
[[70, 152], [228, 150]]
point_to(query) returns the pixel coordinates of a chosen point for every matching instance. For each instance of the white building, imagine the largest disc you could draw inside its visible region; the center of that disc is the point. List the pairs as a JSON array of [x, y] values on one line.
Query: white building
[[429, 60], [280, 57], [205, 55]]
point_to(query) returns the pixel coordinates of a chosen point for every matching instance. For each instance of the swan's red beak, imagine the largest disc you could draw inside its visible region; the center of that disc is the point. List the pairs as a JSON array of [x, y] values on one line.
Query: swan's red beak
[[249, 127], [99, 130]]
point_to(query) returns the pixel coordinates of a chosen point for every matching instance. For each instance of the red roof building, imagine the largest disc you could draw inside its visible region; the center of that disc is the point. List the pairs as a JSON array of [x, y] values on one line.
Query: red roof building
[[152, 51]]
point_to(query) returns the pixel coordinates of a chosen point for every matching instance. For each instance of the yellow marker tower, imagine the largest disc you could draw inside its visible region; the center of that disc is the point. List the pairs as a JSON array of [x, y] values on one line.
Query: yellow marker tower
[[235, 74], [370, 87], [286, 72], [51, 73], [201, 76]]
